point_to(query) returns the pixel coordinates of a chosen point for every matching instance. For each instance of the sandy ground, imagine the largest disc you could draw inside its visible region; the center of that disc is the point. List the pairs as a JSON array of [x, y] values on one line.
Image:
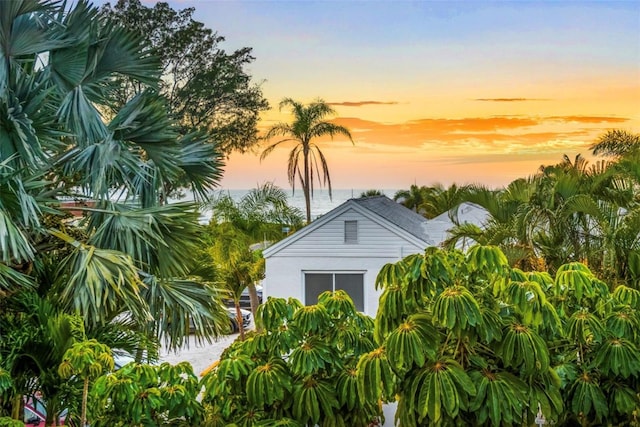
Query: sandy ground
[[201, 356]]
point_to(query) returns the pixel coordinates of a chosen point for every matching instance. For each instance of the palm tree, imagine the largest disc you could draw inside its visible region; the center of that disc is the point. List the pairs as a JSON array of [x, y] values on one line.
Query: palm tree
[[260, 216], [371, 193], [616, 143], [306, 160], [131, 252], [413, 198]]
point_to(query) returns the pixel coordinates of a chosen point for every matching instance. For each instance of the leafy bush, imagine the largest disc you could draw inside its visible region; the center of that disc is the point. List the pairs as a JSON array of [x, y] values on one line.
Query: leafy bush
[[300, 370], [464, 338]]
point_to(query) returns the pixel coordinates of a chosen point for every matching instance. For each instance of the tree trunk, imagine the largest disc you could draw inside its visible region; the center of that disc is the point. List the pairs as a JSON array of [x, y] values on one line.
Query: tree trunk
[[253, 298], [239, 320], [85, 393], [306, 184], [17, 407]]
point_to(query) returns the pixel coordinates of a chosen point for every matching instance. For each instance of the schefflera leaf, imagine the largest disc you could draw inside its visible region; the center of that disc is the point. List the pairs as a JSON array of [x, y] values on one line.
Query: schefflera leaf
[[268, 383], [312, 319], [574, 278], [623, 323], [529, 298], [455, 308], [412, 343], [314, 399], [272, 314], [391, 310], [311, 356], [338, 303], [626, 295], [618, 356], [347, 388], [587, 397], [584, 326], [441, 387], [375, 377], [523, 348], [500, 397]]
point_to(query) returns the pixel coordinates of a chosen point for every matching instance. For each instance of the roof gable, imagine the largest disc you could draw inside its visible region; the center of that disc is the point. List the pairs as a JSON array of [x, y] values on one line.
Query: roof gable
[[379, 209]]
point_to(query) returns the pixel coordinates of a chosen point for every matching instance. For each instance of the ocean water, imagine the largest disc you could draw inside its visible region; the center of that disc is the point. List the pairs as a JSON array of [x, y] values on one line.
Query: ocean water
[[321, 203]]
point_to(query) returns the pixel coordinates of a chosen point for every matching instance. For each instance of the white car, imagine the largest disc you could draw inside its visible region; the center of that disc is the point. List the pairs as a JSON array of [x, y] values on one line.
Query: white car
[[246, 319]]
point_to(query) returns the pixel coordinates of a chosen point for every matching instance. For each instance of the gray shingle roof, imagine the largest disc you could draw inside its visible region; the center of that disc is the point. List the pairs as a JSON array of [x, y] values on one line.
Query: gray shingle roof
[[397, 214]]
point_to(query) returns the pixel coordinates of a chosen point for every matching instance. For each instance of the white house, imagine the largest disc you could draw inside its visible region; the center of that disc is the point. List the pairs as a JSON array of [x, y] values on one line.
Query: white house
[[438, 227], [345, 249]]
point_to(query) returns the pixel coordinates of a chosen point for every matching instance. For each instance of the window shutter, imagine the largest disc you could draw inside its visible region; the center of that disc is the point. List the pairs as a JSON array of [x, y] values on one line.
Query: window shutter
[[351, 231]]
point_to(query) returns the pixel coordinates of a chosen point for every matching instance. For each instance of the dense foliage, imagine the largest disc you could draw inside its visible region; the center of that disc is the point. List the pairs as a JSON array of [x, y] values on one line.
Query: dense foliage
[[466, 340], [206, 87], [231, 255], [567, 212], [147, 395], [299, 370], [89, 246]]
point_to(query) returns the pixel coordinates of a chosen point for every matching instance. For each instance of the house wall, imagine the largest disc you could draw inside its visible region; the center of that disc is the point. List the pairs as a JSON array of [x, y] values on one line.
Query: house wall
[[324, 250]]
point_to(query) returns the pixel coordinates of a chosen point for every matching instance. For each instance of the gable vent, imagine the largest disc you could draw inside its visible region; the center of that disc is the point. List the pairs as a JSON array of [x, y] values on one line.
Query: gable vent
[[351, 231]]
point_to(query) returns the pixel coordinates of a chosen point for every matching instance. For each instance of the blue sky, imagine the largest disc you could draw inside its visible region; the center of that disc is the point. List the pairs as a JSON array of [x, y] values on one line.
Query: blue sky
[[428, 87]]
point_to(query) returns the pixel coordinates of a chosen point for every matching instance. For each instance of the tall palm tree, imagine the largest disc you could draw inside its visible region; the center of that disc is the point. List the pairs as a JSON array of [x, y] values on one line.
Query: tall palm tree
[[306, 160]]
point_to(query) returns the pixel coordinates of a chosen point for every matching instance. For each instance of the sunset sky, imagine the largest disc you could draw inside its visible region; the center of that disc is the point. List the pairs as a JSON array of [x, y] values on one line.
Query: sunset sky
[[465, 92]]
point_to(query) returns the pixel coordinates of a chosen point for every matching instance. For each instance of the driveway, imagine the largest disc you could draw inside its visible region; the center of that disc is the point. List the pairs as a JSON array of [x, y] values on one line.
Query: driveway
[[201, 356]]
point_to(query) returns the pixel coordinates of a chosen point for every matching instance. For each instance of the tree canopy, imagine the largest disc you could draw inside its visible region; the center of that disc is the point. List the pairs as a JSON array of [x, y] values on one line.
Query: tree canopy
[[205, 86], [89, 245]]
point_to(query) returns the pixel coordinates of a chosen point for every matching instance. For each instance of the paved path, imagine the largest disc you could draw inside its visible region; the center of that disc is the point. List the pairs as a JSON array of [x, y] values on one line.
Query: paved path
[[201, 356]]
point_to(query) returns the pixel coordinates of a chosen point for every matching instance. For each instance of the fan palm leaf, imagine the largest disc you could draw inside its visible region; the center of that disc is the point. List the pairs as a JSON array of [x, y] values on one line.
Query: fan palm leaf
[[180, 305], [99, 282], [160, 239]]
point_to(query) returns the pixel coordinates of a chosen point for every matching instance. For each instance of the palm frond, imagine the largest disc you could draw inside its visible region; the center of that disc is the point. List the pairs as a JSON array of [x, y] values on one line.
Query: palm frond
[[12, 280], [126, 54], [616, 143], [201, 164], [272, 147], [99, 283], [160, 239], [22, 33], [15, 245], [327, 128], [325, 169], [178, 304]]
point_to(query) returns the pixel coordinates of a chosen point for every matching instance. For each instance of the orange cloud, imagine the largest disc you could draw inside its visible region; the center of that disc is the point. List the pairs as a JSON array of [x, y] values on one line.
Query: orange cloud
[[417, 133], [510, 99], [588, 119], [361, 103]]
